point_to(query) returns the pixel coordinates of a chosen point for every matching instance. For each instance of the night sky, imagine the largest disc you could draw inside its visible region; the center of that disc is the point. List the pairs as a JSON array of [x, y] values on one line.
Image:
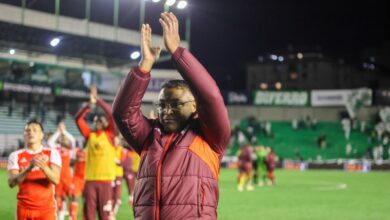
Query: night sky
[[227, 34]]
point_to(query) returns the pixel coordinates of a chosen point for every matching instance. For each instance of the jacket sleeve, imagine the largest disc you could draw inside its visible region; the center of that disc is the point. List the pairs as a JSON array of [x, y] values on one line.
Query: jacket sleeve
[[81, 123], [133, 125], [213, 117]]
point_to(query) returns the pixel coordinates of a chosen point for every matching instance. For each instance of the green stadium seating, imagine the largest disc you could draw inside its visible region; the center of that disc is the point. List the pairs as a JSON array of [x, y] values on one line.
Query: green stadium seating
[[288, 142]]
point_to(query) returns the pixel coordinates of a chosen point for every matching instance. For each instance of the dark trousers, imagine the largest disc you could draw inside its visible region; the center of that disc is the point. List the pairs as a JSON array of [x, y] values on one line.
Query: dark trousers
[[97, 197]]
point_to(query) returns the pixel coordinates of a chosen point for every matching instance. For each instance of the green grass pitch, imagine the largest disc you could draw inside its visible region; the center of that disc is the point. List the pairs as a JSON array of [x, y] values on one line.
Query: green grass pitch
[[309, 195]]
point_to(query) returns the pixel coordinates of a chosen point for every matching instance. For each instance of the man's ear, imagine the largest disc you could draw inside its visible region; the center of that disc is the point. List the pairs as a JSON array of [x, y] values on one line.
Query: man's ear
[[193, 107]]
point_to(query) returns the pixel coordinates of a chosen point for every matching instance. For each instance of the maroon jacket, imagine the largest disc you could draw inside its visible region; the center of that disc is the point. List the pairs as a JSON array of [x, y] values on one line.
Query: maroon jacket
[[178, 174]]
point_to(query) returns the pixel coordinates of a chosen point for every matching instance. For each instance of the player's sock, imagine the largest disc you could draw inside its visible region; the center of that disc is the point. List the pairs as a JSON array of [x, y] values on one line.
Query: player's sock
[[64, 208], [59, 204], [241, 182], [271, 178], [73, 210], [131, 200], [60, 214], [116, 207]]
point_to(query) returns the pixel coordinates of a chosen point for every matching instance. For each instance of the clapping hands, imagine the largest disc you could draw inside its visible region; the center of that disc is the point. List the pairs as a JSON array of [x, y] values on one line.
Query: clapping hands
[[150, 54]]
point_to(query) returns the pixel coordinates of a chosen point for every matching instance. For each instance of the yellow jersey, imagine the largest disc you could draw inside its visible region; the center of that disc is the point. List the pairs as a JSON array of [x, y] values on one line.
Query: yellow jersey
[[100, 160]]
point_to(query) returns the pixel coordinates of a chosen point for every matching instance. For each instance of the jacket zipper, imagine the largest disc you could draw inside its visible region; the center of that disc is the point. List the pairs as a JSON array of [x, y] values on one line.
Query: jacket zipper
[[158, 179]]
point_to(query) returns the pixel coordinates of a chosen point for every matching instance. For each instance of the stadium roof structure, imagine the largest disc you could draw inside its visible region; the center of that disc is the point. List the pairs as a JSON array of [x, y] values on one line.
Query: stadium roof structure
[[31, 30]]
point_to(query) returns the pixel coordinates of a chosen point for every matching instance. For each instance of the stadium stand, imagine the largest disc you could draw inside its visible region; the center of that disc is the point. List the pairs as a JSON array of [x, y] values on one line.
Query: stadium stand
[[11, 129], [303, 143]]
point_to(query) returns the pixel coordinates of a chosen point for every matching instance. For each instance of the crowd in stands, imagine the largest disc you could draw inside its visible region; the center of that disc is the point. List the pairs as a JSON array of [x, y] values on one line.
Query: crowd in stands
[[313, 140], [30, 72]]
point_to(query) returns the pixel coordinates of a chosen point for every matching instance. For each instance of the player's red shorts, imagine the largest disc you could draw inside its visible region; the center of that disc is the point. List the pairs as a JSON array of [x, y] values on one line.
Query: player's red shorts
[[34, 214], [63, 187], [77, 186]]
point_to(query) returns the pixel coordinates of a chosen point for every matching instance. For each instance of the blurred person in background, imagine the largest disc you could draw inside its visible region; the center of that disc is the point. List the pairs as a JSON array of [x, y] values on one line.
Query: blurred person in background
[[130, 169], [117, 183], [261, 171], [100, 159], [270, 164], [78, 181], [244, 168], [64, 143]]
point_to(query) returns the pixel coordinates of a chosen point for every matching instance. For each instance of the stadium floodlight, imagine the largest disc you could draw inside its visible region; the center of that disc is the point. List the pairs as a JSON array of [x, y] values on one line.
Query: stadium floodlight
[[155, 1], [134, 55], [182, 4], [300, 56], [55, 41], [273, 57], [12, 51], [281, 58], [278, 85], [263, 86], [170, 2]]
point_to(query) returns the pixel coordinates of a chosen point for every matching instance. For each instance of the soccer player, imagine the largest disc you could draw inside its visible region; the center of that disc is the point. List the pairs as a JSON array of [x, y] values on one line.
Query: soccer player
[[78, 181], [117, 184], [130, 168], [245, 168], [180, 151], [261, 157], [65, 146], [271, 164], [100, 159], [35, 170]]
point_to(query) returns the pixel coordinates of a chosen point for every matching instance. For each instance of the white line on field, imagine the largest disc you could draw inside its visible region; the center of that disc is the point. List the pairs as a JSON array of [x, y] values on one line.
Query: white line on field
[[329, 186]]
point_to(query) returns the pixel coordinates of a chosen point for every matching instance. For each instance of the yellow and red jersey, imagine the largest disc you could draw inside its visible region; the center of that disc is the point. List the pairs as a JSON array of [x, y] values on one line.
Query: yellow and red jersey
[[100, 161], [36, 191]]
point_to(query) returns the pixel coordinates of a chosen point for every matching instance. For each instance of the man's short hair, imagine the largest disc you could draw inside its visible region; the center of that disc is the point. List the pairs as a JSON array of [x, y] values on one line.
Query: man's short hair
[[35, 121], [175, 84]]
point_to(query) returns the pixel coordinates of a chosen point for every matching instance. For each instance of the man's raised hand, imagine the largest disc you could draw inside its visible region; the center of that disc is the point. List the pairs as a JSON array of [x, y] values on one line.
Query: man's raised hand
[[93, 96], [61, 127], [170, 26], [149, 54]]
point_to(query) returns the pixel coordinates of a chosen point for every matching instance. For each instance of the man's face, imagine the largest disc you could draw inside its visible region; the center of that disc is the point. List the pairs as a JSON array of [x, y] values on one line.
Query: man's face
[[99, 125], [33, 134], [64, 142], [175, 107]]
